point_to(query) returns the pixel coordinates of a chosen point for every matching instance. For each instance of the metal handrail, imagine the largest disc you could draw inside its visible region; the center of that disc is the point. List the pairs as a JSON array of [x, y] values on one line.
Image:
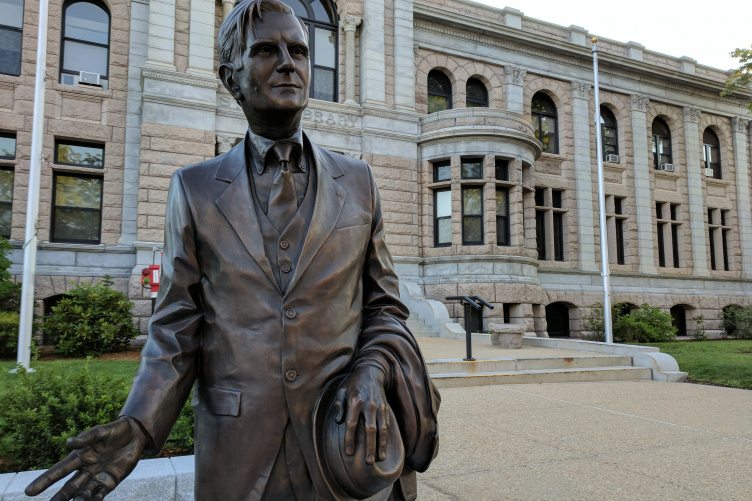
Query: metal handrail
[[469, 302]]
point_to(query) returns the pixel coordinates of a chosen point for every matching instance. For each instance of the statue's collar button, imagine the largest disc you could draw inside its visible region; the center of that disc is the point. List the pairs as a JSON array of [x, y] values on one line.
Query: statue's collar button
[[284, 244]]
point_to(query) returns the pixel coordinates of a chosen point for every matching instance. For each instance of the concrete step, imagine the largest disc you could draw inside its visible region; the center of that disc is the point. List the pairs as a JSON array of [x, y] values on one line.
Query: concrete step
[[581, 375], [530, 363], [424, 333]]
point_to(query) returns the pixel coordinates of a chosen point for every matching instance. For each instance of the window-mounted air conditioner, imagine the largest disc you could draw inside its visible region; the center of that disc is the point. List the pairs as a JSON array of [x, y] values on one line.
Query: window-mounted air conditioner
[[612, 158], [709, 172], [667, 167], [84, 77]]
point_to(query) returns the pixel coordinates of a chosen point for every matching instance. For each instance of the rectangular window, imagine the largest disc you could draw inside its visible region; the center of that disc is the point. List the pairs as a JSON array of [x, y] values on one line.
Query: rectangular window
[[442, 210], [77, 208], [659, 210], [710, 216], [556, 199], [558, 236], [618, 208], [502, 169], [540, 197], [472, 168], [507, 311], [11, 36], [472, 215], [724, 241], [661, 251], [675, 244], [723, 217], [502, 216], [540, 233], [7, 146], [619, 240], [673, 212], [80, 154], [711, 232], [442, 171], [6, 201]]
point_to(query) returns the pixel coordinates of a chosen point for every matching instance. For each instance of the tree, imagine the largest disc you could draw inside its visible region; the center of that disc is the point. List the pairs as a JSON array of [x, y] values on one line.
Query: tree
[[741, 78]]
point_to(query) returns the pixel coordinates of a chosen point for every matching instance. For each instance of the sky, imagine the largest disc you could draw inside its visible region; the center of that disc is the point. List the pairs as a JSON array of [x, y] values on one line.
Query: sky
[[677, 28]]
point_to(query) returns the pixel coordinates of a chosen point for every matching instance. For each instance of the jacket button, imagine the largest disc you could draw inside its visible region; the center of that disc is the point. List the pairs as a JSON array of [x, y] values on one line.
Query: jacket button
[[290, 313], [284, 244], [286, 268], [291, 375]]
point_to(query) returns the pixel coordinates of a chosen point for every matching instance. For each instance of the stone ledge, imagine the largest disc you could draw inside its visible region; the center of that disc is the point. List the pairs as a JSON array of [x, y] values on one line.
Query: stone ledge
[[508, 336]]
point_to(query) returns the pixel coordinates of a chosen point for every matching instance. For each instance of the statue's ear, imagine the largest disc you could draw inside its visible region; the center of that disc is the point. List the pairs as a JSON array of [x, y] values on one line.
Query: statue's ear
[[227, 75]]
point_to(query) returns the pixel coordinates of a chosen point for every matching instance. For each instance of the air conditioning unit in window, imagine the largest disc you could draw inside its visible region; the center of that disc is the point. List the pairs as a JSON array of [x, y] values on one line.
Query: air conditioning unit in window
[[612, 158], [709, 172], [667, 167], [84, 77]]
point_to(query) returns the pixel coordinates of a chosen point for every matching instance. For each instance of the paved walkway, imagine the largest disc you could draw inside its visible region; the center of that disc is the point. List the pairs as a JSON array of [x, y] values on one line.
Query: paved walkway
[[593, 441], [434, 348]]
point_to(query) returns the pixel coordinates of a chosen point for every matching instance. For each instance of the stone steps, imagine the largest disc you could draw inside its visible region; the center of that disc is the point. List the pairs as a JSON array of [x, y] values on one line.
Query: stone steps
[[529, 363], [419, 328], [579, 375]]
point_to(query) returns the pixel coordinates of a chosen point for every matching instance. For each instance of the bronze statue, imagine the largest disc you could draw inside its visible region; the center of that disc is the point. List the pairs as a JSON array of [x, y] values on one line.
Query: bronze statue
[[278, 298]]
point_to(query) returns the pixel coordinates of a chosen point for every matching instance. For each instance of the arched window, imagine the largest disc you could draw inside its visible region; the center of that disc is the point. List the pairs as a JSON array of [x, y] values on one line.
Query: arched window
[[661, 143], [321, 20], [11, 36], [477, 95], [544, 122], [439, 92], [86, 43], [711, 153], [609, 132]]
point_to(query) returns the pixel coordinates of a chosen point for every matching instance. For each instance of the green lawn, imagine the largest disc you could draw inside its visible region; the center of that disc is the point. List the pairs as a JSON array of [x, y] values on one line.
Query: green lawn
[[120, 369], [726, 363]]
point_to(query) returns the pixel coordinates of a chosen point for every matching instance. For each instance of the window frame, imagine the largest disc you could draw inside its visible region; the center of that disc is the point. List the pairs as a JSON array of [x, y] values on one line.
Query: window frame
[[312, 23], [9, 203], [14, 136], [477, 103], [537, 117], [475, 216], [85, 144], [436, 219], [610, 115], [655, 137], [469, 160], [504, 219], [63, 39], [706, 154], [438, 165], [540, 234], [447, 96], [501, 169], [14, 29], [55, 175]]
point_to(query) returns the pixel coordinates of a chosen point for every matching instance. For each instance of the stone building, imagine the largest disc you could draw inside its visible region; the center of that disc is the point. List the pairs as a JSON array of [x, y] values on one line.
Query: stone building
[[477, 122]]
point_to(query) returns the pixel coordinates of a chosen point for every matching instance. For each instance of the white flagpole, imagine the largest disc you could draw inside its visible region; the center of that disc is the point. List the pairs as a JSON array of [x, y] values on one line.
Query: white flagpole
[[605, 271], [32, 205]]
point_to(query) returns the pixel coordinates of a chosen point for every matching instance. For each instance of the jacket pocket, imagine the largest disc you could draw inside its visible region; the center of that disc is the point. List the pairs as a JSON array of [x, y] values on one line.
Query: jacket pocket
[[219, 401]]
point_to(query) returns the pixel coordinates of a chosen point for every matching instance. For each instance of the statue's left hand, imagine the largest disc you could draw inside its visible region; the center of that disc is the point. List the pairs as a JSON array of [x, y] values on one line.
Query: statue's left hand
[[363, 394]]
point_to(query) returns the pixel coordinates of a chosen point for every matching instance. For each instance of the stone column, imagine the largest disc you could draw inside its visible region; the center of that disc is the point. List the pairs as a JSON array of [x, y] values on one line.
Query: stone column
[[643, 190], [227, 6], [350, 23], [515, 81], [372, 60], [161, 49], [583, 175], [404, 56], [201, 44], [697, 214], [739, 128]]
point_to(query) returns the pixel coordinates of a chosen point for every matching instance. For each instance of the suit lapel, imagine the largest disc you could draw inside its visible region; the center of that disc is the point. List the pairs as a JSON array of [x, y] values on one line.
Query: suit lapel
[[330, 197], [236, 203]]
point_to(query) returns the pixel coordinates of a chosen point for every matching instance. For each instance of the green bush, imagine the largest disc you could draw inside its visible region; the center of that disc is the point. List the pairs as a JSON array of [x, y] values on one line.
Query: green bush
[[8, 334], [593, 323], [91, 319], [10, 293], [644, 325], [737, 321]]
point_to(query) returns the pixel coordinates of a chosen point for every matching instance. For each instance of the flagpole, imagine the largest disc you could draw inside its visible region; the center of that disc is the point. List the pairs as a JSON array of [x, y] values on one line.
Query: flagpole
[[605, 271], [32, 204]]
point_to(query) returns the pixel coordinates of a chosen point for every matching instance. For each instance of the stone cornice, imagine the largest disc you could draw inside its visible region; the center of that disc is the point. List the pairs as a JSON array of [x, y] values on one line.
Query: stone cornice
[[178, 101], [180, 78]]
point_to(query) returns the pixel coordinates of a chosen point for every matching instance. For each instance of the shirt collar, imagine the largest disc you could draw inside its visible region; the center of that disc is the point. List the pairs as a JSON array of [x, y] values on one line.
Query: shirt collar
[[261, 146]]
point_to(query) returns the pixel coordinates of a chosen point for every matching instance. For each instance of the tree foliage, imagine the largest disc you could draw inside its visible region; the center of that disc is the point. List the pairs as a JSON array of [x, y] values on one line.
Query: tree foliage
[[741, 78], [737, 321], [10, 292]]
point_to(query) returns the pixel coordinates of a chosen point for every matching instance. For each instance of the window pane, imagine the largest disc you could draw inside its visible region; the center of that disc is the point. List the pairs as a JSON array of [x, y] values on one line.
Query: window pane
[[298, 8], [6, 185], [476, 89], [437, 103], [472, 229], [548, 134], [12, 13], [5, 216], [442, 172], [86, 21], [502, 169], [443, 203], [556, 199], [10, 51], [617, 206], [8, 147], [502, 197], [540, 234], [472, 104], [502, 235], [445, 231], [83, 57], [472, 169], [664, 146], [319, 12], [438, 83], [539, 196], [713, 154], [87, 156], [324, 48], [78, 192], [323, 84], [471, 201], [72, 224]]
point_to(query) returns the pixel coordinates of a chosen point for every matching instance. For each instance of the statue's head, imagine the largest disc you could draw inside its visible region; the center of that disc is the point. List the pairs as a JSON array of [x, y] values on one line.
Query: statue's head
[[264, 64]]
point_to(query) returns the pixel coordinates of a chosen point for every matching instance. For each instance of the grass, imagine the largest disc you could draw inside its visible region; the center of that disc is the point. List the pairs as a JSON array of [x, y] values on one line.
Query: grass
[[120, 369], [724, 362]]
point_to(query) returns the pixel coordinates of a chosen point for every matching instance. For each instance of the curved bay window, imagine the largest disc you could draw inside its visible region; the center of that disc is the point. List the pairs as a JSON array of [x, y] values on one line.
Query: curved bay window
[[439, 92], [544, 122], [609, 132], [477, 95], [711, 154], [85, 55], [321, 21], [11, 36], [661, 144]]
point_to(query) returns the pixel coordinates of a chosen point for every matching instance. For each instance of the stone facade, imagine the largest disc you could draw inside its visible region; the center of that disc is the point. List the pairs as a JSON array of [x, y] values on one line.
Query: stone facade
[[164, 108]]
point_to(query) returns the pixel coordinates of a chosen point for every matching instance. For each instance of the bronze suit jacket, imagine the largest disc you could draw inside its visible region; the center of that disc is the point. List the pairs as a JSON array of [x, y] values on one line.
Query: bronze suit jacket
[[257, 356]]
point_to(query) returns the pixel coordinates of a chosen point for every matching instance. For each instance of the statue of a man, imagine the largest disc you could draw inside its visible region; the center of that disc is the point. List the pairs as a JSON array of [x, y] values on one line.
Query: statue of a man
[[276, 284]]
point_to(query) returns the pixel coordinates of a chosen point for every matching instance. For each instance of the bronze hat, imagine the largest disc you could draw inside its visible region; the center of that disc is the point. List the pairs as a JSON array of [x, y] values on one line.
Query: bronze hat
[[350, 477]]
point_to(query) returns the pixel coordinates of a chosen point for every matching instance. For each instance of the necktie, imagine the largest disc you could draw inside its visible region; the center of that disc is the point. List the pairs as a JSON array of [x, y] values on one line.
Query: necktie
[[283, 202]]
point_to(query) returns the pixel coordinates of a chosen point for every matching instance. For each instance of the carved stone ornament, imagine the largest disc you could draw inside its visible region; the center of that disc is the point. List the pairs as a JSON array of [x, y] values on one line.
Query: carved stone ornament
[[639, 103], [580, 90], [515, 75], [692, 114], [225, 143], [740, 124], [350, 22]]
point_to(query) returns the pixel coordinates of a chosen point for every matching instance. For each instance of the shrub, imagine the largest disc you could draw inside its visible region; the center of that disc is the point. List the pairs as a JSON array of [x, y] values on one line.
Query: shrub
[[644, 325], [593, 323], [10, 293], [737, 321], [9, 336], [699, 333], [91, 319]]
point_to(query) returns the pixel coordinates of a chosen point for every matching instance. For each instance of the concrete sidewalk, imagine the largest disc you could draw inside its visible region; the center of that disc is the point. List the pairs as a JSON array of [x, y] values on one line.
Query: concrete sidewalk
[[592, 441]]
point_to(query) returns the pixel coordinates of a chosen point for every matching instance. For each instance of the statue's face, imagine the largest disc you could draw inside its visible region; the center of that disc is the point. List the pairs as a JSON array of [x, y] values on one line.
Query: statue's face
[[276, 68]]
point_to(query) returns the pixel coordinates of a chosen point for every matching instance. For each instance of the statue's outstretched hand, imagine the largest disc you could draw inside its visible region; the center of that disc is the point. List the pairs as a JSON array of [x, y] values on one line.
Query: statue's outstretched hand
[[103, 455]]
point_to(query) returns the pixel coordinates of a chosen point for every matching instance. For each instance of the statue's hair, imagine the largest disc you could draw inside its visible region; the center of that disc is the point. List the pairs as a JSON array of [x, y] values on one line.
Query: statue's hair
[[231, 39]]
